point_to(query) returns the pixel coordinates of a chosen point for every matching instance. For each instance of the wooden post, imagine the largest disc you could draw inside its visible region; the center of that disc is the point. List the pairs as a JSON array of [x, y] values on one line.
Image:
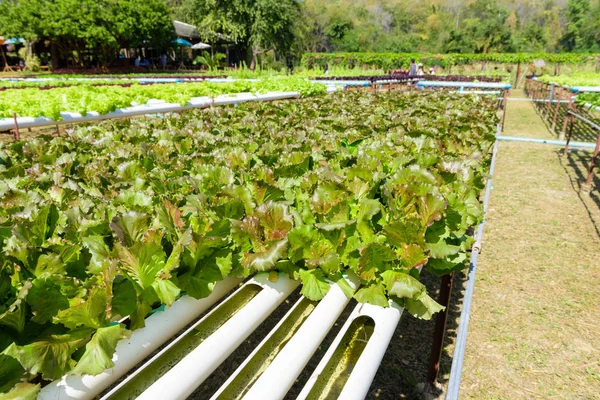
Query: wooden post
[[590, 175], [550, 98], [16, 134], [504, 104], [571, 119], [564, 127], [558, 103], [440, 328]]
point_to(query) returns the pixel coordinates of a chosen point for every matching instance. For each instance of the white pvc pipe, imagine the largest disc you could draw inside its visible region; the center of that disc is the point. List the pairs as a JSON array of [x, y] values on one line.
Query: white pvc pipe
[[343, 82], [585, 89], [191, 371], [386, 321], [256, 350], [480, 85], [359, 381], [160, 327], [152, 107], [279, 377], [477, 92]]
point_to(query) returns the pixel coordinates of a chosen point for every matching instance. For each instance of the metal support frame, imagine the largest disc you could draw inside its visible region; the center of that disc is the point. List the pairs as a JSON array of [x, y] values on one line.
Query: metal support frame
[[572, 115], [504, 104], [465, 314]]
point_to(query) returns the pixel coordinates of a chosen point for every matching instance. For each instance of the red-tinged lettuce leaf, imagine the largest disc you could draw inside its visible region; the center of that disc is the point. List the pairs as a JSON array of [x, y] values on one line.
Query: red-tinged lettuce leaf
[[247, 234], [130, 227], [374, 259], [40, 228], [431, 208], [142, 262], [325, 197], [50, 355], [174, 258], [22, 391], [372, 294], [404, 232], [413, 256], [309, 244], [266, 260], [275, 220], [169, 218], [99, 351], [314, 284]]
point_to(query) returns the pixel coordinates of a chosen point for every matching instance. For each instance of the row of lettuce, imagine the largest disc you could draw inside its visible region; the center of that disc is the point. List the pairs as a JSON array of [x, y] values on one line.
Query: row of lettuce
[[116, 219], [581, 79], [104, 99], [389, 61]]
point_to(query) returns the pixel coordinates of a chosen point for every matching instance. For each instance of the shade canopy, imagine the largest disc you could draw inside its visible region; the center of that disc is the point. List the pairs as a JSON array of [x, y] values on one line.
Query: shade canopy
[[181, 42], [200, 46], [14, 40]]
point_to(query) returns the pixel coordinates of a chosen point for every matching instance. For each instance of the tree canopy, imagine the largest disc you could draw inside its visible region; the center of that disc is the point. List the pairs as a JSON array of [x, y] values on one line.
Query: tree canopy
[[96, 28], [259, 24]]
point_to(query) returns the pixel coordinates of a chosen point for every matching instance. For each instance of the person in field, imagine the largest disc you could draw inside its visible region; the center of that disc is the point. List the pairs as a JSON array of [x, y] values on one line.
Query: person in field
[[413, 68]]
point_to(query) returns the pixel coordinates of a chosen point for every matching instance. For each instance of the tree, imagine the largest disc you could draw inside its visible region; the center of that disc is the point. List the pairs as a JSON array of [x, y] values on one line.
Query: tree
[[89, 30], [576, 16], [259, 24]]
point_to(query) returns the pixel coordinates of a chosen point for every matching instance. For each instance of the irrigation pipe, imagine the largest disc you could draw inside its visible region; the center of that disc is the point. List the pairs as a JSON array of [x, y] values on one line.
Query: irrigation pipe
[[152, 107], [470, 85], [463, 328], [584, 145], [587, 121]]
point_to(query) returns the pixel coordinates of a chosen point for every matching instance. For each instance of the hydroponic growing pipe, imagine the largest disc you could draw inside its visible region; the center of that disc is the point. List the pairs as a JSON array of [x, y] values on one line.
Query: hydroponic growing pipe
[[463, 327], [584, 145], [152, 107]]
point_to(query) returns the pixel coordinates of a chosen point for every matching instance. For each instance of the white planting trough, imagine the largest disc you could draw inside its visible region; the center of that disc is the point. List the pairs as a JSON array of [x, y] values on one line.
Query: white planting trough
[[152, 107], [289, 346]]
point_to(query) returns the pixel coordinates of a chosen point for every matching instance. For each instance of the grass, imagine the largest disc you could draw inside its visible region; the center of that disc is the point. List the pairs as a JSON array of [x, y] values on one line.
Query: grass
[[534, 322]]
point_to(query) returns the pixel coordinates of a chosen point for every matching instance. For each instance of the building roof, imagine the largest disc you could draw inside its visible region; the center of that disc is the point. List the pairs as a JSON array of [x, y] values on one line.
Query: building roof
[[185, 30]]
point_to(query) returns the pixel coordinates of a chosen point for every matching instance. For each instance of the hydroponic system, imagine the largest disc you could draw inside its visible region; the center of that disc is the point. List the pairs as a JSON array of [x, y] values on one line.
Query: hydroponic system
[[138, 254]]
